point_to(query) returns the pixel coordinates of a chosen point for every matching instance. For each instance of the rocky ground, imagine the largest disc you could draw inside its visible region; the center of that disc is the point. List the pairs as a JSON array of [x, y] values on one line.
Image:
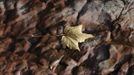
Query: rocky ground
[[29, 44]]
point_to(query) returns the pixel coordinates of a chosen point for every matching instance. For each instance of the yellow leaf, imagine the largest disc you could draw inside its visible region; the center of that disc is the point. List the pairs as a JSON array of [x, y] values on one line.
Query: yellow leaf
[[73, 36]]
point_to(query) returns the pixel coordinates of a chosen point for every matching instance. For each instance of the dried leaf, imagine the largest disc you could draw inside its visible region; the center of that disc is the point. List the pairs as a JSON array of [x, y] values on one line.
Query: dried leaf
[[54, 65], [74, 35], [71, 64]]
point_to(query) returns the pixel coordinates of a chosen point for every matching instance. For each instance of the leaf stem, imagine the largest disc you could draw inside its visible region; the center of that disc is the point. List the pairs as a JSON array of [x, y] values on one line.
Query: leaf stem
[[60, 35]]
